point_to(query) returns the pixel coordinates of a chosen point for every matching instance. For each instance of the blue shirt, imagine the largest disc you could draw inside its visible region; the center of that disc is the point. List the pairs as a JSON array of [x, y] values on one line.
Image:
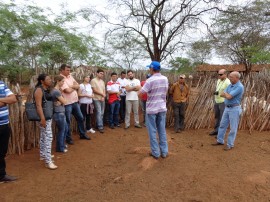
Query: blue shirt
[[236, 91], [4, 92]]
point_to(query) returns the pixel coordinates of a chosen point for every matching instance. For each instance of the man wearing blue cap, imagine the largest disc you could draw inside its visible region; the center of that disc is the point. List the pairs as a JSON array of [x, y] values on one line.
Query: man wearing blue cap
[[156, 88]]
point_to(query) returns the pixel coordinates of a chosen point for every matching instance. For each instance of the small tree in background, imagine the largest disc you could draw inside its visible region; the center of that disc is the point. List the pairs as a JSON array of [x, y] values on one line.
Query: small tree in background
[[242, 34]]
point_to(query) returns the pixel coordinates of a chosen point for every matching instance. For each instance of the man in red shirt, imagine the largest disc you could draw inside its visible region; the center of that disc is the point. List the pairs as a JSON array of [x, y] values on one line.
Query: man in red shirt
[[144, 99], [113, 89]]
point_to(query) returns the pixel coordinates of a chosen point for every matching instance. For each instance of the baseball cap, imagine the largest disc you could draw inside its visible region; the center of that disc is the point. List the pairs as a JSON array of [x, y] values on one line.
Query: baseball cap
[[155, 65], [182, 76]]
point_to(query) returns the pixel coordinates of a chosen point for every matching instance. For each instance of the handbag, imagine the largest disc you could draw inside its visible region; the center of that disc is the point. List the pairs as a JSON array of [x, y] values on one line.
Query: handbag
[[31, 110]]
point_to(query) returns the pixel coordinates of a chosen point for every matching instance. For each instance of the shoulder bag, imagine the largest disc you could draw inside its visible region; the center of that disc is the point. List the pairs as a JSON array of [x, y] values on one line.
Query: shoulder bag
[[31, 110]]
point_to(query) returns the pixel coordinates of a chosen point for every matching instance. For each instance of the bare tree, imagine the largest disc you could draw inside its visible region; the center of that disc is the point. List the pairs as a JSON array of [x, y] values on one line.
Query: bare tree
[[159, 24], [123, 50]]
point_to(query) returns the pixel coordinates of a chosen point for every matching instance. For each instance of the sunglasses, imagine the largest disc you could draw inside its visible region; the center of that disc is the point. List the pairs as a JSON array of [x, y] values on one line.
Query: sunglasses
[[220, 74]]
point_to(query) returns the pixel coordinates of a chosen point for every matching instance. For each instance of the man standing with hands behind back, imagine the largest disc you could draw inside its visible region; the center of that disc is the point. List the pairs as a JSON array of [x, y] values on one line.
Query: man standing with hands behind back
[[180, 93], [6, 97], [222, 84]]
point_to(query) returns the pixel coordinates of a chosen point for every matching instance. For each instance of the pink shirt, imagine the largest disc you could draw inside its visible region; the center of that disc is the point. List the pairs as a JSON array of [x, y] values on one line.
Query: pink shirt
[[70, 97]]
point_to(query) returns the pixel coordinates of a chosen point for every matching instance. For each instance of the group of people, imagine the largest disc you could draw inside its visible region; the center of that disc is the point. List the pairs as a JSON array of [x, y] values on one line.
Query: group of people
[[80, 100], [227, 106]]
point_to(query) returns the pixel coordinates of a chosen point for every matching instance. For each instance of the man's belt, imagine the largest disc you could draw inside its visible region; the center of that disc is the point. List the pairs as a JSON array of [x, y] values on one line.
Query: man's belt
[[232, 105]]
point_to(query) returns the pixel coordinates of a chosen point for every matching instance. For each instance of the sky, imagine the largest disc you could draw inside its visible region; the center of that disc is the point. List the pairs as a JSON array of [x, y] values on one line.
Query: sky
[[99, 5]]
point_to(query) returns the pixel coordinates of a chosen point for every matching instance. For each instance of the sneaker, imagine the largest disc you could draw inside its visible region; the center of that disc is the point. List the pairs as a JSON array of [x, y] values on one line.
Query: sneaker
[[138, 126], [101, 130], [126, 127], [155, 157], [228, 148], [66, 146], [85, 137], [7, 178], [91, 131], [112, 127], [164, 155], [65, 151], [51, 166]]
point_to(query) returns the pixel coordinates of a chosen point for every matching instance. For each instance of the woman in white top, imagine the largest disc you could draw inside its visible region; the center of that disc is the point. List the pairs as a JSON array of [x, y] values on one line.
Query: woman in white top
[[86, 94]]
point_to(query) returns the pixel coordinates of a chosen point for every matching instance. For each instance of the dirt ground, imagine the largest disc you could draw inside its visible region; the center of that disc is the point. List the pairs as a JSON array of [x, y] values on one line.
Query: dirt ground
[[115, 166]]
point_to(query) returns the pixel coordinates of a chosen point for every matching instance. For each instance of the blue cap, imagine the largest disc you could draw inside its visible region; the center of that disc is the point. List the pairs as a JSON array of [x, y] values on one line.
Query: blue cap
[[155, 65]]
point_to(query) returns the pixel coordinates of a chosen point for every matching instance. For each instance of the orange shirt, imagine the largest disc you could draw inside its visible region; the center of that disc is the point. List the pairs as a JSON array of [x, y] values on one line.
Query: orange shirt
[[178, 94], [70, 97]]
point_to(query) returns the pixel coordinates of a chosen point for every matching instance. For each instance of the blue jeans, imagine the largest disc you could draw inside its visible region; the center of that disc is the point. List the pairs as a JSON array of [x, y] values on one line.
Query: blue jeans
[[230, 116], [99, 107], [75, 110], [156, 124], [62, 127], [114, 112]]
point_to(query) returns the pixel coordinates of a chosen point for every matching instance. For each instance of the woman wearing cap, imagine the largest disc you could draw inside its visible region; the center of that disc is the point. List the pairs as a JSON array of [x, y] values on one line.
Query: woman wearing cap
[[180, 93]]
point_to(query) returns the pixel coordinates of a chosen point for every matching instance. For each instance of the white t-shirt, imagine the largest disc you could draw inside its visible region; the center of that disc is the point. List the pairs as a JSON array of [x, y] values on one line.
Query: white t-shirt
[[86, 90], [123, 83], [132, 95]]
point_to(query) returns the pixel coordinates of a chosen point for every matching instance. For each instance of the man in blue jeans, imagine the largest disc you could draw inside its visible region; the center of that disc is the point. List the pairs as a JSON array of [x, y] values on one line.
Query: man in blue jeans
[[233, 95], [98, 87], [6, 97], [113, 89], [156, 88], [69, 91]]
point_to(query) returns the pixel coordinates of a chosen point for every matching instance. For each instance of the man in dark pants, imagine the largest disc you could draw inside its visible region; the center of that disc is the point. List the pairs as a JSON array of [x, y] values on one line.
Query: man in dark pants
[[123, 82], [6, 97], [180, 93], [219, 106]]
